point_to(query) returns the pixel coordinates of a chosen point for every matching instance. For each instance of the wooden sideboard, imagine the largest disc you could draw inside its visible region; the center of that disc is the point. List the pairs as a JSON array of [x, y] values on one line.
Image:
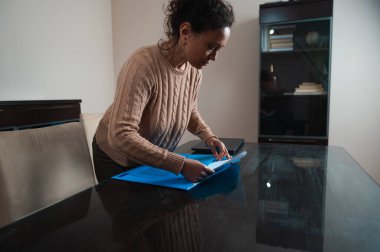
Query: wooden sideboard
[[17, 115]]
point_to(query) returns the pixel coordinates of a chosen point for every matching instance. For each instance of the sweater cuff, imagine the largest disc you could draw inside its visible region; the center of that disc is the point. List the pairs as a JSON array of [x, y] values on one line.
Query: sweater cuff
[[206, 135], [205, 141], [173, 163]]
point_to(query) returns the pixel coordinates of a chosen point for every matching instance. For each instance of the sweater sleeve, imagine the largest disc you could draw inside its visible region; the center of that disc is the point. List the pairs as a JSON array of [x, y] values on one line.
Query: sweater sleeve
[[197, 125], [132, 95]]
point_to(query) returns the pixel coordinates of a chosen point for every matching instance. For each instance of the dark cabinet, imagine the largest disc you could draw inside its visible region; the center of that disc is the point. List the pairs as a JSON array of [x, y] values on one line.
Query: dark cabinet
[[16, 115], [295, 57]]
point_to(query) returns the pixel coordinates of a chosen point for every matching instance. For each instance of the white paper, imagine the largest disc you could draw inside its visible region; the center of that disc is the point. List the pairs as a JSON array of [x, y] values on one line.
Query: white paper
[[215, 165]]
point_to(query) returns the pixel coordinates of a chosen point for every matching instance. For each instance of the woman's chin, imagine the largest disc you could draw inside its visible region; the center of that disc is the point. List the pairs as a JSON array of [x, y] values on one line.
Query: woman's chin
[[199, 65]]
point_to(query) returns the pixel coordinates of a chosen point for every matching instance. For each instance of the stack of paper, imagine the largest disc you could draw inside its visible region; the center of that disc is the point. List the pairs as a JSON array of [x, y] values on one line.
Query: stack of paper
[[306, 88]]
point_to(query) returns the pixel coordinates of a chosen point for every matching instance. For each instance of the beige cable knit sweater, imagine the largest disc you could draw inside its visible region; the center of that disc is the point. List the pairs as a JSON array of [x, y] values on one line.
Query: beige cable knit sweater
[[153, 106]]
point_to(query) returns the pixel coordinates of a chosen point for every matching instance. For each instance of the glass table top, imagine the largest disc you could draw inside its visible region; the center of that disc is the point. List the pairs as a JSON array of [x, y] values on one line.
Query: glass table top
[[279, 198]]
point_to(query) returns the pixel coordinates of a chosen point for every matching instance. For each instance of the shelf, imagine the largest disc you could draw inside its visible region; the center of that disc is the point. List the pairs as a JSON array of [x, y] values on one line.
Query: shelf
[[310, 140], [293, 94], [306, 50], [308, 94]]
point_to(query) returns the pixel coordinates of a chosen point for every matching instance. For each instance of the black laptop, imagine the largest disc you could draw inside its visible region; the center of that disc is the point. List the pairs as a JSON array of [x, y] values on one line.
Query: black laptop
[[232, 145]]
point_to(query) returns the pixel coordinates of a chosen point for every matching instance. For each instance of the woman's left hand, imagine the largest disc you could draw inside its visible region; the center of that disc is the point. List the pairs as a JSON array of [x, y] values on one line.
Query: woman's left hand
[[214, 144]]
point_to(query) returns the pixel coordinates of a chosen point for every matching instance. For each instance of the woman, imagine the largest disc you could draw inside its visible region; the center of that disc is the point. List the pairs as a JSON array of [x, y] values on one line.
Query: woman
[[156, 97]]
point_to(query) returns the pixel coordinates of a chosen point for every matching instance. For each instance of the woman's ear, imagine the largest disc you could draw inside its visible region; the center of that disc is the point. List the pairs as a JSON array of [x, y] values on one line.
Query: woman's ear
[[184, 33]]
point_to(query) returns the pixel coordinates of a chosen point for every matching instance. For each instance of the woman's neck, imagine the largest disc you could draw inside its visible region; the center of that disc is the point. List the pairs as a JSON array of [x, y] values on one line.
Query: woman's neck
[[175, 56]]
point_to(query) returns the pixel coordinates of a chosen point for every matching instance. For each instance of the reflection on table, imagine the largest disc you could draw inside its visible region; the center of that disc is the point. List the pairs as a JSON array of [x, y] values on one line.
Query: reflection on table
[[279, 198], [291, 201]]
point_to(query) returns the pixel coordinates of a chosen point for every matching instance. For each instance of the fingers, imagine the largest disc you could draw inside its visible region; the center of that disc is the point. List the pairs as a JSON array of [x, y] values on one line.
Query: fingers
[[208, 171], [223, 152], [213, 150], [195, 171], [205, 173], [215, 153], [228, 155], [215, 144]]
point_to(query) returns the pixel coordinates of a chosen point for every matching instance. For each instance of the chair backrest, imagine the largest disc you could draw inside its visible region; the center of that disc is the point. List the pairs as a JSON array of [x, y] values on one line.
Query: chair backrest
[[90, 123], [39, 167]]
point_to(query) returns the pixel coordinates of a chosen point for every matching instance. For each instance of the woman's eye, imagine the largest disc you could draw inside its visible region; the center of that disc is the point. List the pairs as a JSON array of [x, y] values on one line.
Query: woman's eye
[[210, 47]]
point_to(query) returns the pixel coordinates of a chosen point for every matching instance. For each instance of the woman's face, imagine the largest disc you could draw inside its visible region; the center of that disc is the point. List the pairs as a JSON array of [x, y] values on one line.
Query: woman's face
[[202, 47]]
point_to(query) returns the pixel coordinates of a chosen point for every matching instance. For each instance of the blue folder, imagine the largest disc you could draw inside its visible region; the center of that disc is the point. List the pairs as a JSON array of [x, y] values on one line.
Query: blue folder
[[155, 176]]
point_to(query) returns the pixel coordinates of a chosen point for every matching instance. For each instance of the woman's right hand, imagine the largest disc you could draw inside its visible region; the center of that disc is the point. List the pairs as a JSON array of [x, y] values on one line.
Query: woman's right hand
[[195, 171]]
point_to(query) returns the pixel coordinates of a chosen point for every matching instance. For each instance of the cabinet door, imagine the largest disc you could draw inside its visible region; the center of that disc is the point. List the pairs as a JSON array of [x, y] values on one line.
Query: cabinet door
[[294, 79]]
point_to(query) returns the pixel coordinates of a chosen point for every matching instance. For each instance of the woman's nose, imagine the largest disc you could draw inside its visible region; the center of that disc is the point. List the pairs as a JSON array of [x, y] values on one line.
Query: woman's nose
[[213, 55]]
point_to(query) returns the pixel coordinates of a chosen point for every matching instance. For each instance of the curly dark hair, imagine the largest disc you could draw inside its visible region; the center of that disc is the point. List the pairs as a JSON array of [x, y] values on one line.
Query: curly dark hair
[[203, 15]]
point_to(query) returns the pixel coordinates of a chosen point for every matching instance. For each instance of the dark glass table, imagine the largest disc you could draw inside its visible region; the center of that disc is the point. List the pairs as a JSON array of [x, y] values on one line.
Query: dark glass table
[[279, 198]]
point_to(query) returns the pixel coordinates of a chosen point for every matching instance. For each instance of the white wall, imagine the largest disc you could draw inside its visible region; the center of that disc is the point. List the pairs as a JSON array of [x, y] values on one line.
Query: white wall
[[355, 82], [54, 49], [135, 24]]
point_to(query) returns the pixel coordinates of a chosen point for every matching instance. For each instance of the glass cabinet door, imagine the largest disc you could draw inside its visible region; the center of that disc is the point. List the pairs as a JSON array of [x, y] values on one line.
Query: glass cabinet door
[[294, 80]]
